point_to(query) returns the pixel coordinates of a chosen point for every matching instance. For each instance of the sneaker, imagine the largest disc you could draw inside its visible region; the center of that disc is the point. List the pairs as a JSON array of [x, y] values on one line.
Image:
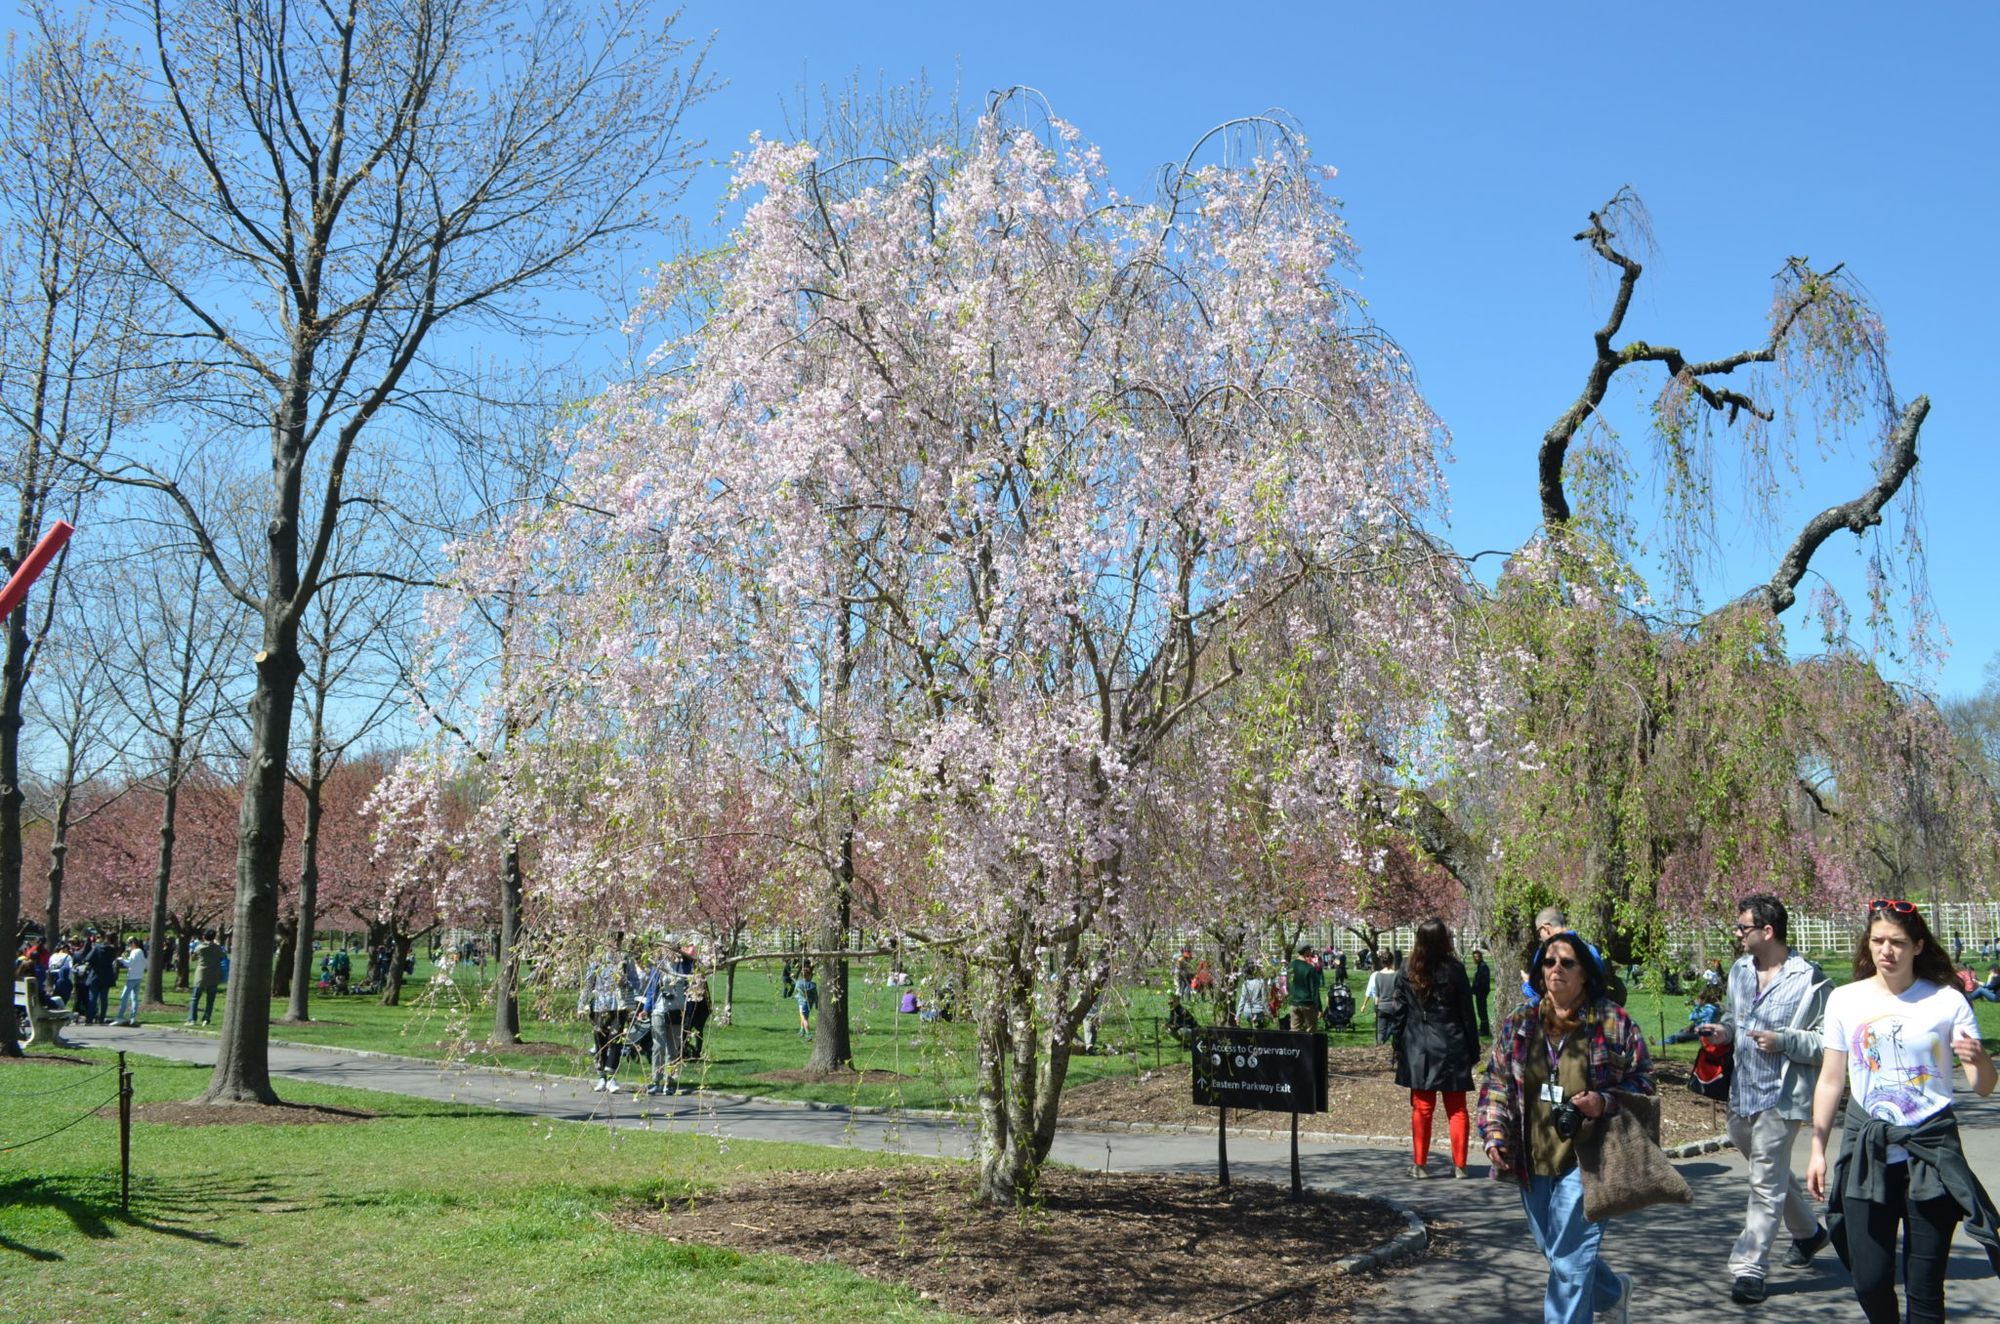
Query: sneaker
[[1458, 1170], [1622, 1312], [1747, 1291], [655, 1088], [1801, 1254], [598, 1088], [1419, 1171], [610, 1086]]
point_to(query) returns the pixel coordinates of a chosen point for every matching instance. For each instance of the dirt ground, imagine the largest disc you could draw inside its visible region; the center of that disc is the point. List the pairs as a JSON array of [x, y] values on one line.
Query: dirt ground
[[247, 1114], [1101, 1247], [1363, 1099]]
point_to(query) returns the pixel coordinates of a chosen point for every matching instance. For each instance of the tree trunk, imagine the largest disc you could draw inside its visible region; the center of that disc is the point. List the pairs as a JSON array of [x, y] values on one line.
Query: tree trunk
[[296, 1009], [392, 980], [13, 683], [181, 932], [832, 1047], [52, 915], [243, 1059], [507, 953], [163, 872]]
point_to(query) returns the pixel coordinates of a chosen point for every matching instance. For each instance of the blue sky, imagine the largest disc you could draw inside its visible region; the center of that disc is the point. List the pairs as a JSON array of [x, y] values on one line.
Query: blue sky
[[1472, 139]]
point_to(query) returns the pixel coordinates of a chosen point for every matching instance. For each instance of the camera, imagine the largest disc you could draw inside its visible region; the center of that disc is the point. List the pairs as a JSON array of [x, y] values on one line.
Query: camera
[[1568, 1119]]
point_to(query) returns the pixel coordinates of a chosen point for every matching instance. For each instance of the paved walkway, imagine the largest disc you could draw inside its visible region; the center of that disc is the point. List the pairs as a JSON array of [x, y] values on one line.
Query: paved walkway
[[1487, 1271]]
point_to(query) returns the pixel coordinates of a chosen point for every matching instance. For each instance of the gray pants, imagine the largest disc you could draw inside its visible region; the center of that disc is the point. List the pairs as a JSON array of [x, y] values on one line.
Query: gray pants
[[667, 1038], [1765, 1140]]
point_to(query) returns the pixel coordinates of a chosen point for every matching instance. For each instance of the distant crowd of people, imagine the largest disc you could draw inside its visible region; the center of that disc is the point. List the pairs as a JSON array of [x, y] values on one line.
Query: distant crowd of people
[[77, 974]]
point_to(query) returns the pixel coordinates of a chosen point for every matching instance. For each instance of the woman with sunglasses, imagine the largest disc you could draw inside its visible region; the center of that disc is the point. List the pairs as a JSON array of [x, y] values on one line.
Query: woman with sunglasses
[[1565, 1057], [1890, 1038]]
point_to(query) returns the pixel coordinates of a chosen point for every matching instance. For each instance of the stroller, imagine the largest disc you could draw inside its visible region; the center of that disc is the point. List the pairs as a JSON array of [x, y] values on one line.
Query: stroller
[[1339, 1007]]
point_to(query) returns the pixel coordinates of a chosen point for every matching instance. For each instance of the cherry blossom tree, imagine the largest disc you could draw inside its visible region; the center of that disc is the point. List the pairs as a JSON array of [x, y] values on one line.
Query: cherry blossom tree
[[998, 468]]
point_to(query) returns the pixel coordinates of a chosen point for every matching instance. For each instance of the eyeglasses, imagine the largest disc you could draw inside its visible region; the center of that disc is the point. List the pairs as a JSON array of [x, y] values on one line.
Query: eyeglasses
[[1893, 907], [1749, 928], [1565, 962]]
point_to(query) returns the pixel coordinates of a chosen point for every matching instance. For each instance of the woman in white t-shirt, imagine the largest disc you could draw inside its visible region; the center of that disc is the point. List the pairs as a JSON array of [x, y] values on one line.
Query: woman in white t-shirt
[[1890, 1039]]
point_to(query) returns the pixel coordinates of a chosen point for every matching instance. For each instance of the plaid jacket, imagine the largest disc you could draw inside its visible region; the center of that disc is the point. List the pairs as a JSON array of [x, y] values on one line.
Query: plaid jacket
[[1617, 1057]]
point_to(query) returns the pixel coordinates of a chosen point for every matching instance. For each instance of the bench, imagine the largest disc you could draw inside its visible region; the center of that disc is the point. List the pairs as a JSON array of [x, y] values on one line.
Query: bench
[[38, 1020]]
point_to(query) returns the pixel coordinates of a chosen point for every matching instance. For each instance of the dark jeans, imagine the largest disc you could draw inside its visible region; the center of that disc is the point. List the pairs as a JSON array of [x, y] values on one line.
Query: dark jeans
[[95, 1002], [1926, 1244], [607, 1029], [695, 1020], [1485, 1026], [195, 1003]]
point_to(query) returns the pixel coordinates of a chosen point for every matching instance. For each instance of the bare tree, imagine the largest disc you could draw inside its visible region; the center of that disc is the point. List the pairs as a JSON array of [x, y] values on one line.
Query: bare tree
[[165, 635], [359, 182], [355, 637], [71, 313], [73, 710]]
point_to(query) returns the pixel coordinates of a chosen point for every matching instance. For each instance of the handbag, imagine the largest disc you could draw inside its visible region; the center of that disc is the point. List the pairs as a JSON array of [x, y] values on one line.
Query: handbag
[[1714, 1064], [1624, 1169]]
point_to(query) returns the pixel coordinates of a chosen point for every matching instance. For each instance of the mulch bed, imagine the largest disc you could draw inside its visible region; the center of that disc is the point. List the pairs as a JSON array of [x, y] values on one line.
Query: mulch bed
[[248, 1114], [1363, 1099], [1093, 1246]]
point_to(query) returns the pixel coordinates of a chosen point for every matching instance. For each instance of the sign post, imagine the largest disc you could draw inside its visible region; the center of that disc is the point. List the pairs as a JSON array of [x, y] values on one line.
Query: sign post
[[1276, 1070]]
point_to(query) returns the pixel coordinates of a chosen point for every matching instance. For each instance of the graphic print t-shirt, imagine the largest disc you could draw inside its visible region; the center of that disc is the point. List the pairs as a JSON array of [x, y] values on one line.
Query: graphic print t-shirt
[[1899, 1058]]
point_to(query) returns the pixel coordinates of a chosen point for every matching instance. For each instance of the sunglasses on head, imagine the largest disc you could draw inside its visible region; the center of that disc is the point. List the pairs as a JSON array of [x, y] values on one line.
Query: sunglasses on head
[[1893, 907], [1553, 962]]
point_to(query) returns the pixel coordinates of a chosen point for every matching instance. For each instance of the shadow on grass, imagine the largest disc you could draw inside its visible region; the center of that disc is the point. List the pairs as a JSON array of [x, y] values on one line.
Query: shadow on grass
[[170, 1210]]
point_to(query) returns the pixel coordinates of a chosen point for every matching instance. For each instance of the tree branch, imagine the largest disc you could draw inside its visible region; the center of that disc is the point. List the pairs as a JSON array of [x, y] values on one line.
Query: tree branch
[[1899, 458]]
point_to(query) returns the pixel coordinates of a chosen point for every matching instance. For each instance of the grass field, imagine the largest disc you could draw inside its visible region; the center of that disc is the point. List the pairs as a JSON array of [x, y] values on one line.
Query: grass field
[[432, 1212]]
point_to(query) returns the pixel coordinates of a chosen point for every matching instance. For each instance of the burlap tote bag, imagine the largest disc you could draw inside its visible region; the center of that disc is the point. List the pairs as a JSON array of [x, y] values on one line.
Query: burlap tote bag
[[1624, 1168]]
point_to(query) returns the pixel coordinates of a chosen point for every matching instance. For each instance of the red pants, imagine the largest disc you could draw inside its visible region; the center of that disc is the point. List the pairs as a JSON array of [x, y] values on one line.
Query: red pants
[[1423, 1104]]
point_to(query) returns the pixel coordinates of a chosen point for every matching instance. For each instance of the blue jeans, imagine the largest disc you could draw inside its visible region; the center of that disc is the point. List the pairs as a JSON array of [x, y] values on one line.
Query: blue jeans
[[128, 1004], [194, 1003], [1984, 994], [1580, 1284]]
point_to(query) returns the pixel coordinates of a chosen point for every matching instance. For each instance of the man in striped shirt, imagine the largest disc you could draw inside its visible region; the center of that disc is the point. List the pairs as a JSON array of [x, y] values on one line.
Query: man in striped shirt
[[1776, 999]]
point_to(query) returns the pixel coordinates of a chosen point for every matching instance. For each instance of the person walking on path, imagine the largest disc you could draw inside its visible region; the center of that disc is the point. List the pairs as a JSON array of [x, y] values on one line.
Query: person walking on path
[[1772, 1016], [1890, 1039], [1252, 998], [135, 979], [1306, 981], [610, 991], [807, 992], [694, 1022], [1569, 1055], [664, 1002], [1379, 984], [100, 972], [1438, 1044], [206, 978], [1482, 989]]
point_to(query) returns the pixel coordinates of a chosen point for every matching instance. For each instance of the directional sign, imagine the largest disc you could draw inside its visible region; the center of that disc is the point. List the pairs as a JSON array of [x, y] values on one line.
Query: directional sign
[[1275, 1070]]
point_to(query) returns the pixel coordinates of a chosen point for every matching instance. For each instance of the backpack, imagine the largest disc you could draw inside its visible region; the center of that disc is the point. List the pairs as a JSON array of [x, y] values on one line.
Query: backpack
[[1714, 1065]]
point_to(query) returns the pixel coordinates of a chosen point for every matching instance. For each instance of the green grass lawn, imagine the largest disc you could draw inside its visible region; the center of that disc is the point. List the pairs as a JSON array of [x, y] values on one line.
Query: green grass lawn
[[932, 1060], [432, 1212]]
